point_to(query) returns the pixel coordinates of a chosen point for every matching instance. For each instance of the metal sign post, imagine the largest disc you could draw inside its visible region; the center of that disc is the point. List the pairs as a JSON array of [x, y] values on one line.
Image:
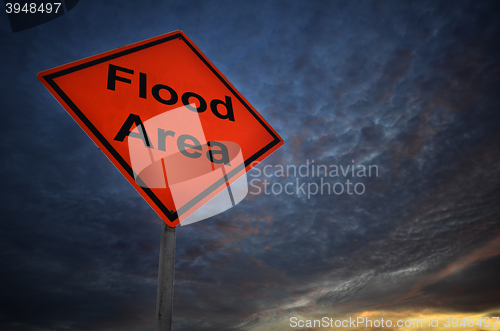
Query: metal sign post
[[166, 269]]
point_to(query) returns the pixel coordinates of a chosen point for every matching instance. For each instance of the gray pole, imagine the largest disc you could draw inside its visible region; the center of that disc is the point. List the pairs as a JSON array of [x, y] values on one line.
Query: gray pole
[[165, 293]]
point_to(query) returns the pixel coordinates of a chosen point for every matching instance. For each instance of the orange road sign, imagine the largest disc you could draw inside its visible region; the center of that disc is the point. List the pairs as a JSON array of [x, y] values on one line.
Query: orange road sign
[[166, 117]]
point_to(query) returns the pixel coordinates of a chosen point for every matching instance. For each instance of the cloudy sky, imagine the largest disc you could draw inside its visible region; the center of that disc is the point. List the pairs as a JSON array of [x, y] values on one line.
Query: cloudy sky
[[410, 87]]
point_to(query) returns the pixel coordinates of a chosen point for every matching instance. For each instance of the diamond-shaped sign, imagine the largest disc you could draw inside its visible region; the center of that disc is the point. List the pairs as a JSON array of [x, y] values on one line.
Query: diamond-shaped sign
[[171, 123]]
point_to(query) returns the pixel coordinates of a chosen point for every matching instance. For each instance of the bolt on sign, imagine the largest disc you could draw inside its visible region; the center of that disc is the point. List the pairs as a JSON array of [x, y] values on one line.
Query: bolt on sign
[[171, 123]]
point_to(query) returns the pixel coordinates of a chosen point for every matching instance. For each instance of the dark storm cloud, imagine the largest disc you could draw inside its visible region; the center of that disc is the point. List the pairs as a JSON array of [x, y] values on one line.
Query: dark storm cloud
[[467, 290], [409, 87], [398, 110]]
